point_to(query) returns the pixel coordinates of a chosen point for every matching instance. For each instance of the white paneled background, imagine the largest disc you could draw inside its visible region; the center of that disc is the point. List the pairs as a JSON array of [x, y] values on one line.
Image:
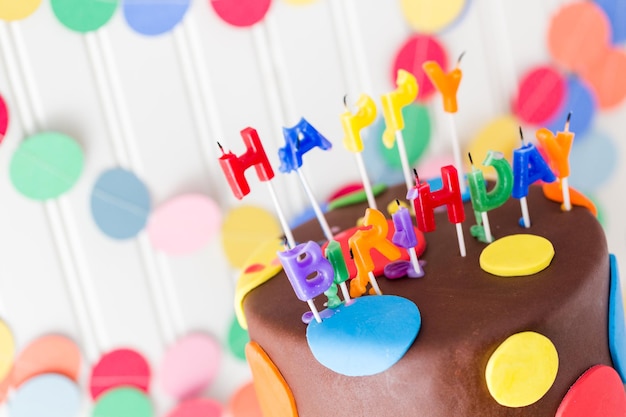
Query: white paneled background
[[156, 105]]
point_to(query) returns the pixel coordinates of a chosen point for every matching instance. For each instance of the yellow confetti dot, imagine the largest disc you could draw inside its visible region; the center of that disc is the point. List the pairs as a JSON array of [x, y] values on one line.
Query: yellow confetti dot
[[262, 265], [7, 350], [17, 9], [244, 229], [522, 369], [427, 16], [501, 134], [517, 255]]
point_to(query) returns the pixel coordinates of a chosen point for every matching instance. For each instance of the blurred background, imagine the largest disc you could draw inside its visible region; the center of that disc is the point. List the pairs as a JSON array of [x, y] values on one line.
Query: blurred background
[[120, 238]]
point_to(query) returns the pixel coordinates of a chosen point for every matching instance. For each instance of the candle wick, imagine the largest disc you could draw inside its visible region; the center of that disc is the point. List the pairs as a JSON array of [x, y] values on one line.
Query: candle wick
[[351, 254], [221, 148], [569, 117], [398, 202], [521, 135], [469, 154], [417, 178], [458, 61], [345, 101]]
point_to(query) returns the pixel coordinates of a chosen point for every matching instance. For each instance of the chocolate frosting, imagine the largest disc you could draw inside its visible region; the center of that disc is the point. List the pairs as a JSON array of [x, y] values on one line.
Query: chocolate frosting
[[466, 314]]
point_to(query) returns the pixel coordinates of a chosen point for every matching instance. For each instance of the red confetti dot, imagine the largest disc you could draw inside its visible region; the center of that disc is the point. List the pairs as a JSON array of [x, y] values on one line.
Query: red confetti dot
[[4, 118], [606, 78], [241, 13], [121, 367], [578, 34], [540, 95], [415, 51], [254, 268]]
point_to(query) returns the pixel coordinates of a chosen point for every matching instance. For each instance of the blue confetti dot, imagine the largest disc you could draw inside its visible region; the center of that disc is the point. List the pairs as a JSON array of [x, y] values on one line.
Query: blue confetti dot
[[154, 17], [592, 162], [120, 204], [616, 12], [581, 101], [49, 395]]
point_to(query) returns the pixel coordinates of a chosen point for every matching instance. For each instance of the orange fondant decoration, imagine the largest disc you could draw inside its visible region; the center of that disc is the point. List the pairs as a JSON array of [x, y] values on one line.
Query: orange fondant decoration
[[446, 84], [553, 192], [597, 393], [558, 149], [273, 393]]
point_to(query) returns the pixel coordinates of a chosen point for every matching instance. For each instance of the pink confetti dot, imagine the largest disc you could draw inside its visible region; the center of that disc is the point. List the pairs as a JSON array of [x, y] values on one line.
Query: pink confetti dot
[[197, 407], [540, 95], [606, 78], [4, 118], [415, 51], [242, 13]]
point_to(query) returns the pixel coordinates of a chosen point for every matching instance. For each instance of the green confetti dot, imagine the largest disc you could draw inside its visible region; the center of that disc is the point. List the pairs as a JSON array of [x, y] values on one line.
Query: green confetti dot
[[237, 339], [46, 165], [84, 15], [123, 402], [416, 134]]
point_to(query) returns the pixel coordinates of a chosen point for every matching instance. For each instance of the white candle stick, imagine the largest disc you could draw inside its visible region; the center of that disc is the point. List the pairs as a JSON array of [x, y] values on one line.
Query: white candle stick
[[525, 216], [367, 186], [567, 204], [281, 217], [316, 208], [415, 262], [486, 226], [374, 283], [404, 159], [345, 292], [316, 313], [461, 238]]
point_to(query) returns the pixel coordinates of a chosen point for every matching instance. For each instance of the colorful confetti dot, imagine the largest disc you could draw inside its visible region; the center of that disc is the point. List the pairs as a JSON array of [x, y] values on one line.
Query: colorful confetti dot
[[120, 367], [83, 15], [241, 13], [154, 17]]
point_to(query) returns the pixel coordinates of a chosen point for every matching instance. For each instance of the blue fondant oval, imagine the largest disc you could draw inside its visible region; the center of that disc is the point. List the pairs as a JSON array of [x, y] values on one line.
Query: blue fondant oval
[[617, 326], [367, 337]]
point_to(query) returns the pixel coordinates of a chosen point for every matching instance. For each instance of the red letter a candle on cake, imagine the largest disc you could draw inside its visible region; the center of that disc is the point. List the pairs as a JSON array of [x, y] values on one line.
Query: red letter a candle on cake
[[483, 201], [528, 168], [362, 242], [426, 201], [558, 150], [308, 271]]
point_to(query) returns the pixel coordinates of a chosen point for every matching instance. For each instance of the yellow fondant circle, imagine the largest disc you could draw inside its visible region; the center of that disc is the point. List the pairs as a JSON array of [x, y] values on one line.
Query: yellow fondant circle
[[429, 16], [262, 265], [517, 255], [522, 369]]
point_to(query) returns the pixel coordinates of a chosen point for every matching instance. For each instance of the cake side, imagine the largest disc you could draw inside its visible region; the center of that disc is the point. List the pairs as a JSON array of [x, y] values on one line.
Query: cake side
[[466, 314]]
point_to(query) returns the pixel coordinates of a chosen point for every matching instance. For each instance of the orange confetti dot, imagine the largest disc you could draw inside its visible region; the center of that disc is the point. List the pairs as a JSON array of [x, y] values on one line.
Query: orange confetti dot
[[578, 34], [244, 402], [606, 78]]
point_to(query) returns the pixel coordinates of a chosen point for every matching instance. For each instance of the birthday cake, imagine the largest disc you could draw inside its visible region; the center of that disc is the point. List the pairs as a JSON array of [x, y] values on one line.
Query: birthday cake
[[539, 335]]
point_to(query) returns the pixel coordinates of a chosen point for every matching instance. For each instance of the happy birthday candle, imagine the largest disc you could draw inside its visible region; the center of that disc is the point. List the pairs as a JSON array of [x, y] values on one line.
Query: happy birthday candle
[[484, 201], [405, 237], [234, 168], [558, 149], [393, 103], [335, 257], [426, 201], [352, 124], [447, 85], [300, 139], [528, 168], [361, 244]]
